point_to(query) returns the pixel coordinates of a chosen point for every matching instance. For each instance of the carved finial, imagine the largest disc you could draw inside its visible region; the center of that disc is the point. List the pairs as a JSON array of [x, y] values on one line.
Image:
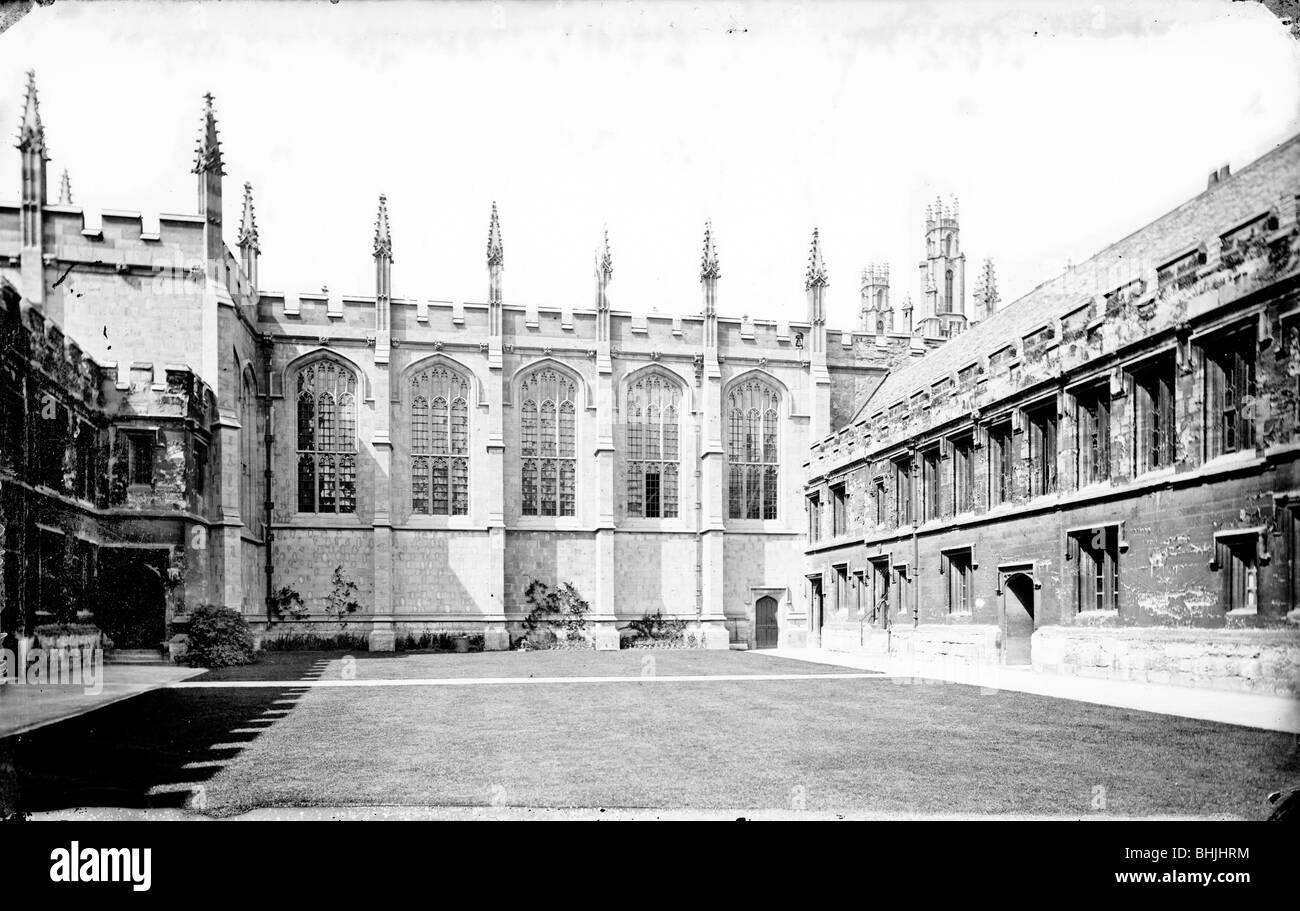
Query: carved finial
[[207, 155], [383, 242], [986, 291], [816, 277], [495, 251], [248, 227], [31, 134], [65, 189], [606, 260], [709, 265]]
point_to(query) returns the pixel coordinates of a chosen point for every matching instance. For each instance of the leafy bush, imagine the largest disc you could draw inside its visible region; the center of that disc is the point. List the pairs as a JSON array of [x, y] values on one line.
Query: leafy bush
[[219, 637], [658, 627], [562, 612], [287, 604], [317, 642], [342, 602]]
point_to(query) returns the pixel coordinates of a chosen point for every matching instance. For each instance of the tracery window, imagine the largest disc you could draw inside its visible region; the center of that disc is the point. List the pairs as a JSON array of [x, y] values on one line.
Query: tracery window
[[752, 441], [327, 429], [548, 443], [653, 425], [440, 442]]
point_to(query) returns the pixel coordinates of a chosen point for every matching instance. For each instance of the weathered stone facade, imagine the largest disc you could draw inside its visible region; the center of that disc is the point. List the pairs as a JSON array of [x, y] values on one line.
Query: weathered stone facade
[[1099, 478]]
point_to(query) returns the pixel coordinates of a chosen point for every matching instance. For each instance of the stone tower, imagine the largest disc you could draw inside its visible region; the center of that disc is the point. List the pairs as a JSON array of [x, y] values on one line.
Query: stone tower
[[943, 273], [875, 315]]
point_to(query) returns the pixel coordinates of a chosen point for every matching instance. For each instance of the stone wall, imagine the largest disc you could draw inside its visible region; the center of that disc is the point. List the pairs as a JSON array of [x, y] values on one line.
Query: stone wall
[[1253, 661]]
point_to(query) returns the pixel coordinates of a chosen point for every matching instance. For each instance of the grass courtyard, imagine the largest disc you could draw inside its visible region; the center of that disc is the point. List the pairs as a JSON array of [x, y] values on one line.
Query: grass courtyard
[[826, 739]]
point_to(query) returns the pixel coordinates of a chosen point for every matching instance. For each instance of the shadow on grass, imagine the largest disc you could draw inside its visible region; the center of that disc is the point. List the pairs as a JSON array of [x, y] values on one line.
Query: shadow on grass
[[155, 750]]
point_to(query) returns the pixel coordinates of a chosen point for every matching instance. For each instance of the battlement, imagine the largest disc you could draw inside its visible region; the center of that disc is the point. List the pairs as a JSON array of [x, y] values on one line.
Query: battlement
[[158, 391]]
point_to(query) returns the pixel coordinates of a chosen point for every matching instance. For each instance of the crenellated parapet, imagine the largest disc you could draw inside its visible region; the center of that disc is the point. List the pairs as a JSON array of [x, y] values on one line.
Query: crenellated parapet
[[42, 342]]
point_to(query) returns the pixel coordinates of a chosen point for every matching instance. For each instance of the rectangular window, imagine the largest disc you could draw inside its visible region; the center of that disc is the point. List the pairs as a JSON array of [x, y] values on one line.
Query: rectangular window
[[1097, 568], [959, 581], [882, 506], [963, 474], [839, 510], [1041, 432], [1230, 392], [879, 609], [13, 445], [903, 492], [841, 588], [1153, 414], [201, 468], [930, 483], [1092, 417], [814, 518], [1000, 463], [1238, 560], [139, 453]]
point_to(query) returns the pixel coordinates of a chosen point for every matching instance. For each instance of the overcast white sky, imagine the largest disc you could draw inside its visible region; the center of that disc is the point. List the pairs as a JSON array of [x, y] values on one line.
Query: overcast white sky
[[1060, 126]]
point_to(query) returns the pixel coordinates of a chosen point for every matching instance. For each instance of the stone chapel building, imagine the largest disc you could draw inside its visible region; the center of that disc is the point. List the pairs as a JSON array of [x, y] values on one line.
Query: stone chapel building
[[443, 454]]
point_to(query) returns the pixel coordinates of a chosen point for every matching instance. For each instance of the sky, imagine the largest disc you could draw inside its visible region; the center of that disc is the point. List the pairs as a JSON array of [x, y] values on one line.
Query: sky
[[1059, 126]]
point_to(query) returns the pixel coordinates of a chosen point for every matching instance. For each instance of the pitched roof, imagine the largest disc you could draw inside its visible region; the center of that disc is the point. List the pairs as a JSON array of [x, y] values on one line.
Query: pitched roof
[[1221, 207]]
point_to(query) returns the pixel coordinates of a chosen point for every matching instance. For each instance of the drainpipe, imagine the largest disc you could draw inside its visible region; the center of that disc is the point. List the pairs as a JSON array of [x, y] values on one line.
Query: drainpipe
[[268, 476], [699, 534]]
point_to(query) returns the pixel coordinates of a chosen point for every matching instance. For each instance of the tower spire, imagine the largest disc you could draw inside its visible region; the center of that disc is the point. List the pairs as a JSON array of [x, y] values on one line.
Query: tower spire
[[816, 277], [495, 249], [709, 263], [207, 154], [248, 245], [383, 241], [31, 133], [65, 189], [248, 224], [606, 260]]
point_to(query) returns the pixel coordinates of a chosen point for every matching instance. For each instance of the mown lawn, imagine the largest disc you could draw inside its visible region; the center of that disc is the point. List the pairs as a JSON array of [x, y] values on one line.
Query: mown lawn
[[849, 745]]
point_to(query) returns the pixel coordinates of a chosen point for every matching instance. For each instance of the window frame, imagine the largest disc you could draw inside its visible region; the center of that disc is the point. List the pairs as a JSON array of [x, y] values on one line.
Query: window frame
[[753, 450], [439, 395], [340, 427], [552, 457], [665, 394]]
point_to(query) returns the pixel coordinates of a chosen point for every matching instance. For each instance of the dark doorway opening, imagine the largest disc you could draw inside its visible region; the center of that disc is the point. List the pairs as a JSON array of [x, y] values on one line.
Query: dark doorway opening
[[132, 605], [1018, 605], [765, 627]]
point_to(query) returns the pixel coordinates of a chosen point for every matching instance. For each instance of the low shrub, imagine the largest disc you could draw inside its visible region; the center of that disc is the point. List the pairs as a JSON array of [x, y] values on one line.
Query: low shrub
[[437, 642], [658, 628], [317, 642], [219, 637]]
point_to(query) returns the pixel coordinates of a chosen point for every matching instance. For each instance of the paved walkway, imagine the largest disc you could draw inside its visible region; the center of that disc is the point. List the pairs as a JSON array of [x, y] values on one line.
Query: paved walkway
[[24, 707], [1270, 713], [550, 814]]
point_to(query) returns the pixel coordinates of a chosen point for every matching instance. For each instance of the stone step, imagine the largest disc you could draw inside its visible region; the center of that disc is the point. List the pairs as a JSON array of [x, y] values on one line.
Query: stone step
[[134, 656]]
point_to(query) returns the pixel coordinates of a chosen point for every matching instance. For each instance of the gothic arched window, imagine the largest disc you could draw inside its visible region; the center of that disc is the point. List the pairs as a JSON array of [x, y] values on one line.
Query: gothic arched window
[[548, 443], [653, 421], [440, 442], [327, 429], [752, 445], [949, 303], [251, 470]]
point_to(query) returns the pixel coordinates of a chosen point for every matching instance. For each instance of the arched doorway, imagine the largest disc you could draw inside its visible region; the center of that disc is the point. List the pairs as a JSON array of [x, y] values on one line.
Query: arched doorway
[[133, 610], [1018, 610], [766, 632]]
